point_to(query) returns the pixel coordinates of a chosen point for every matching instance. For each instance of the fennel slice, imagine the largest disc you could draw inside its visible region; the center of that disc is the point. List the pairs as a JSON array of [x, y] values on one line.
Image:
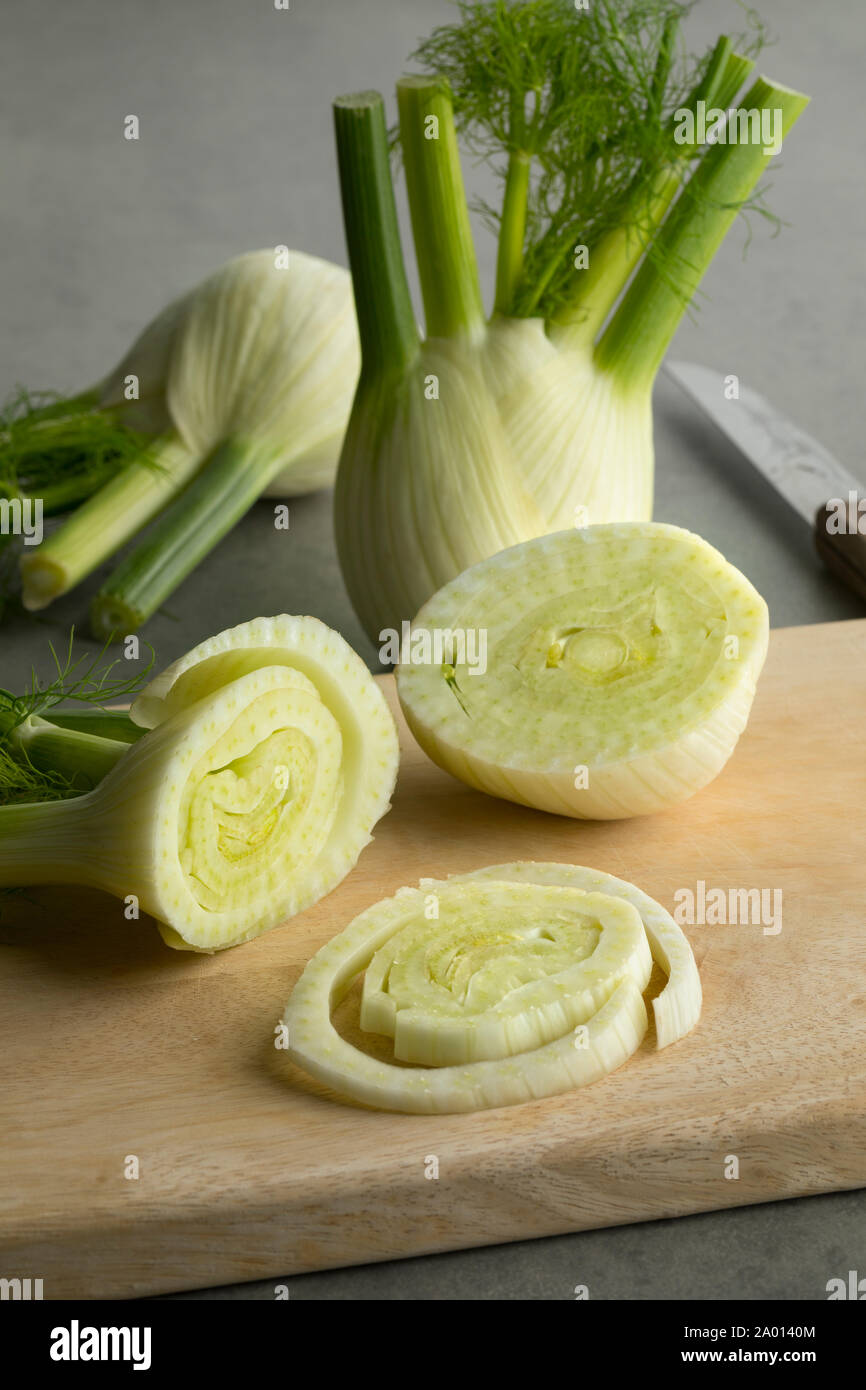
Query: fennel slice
[[677, 1008], [621, 664], [527, 983]]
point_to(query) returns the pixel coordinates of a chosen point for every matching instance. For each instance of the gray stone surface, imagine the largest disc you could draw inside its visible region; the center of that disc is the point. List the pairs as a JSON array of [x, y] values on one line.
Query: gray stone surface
[[236, 152]]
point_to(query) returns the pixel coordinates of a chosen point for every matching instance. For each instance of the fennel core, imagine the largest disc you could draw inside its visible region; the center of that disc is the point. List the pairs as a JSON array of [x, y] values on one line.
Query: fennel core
[[490, 430]]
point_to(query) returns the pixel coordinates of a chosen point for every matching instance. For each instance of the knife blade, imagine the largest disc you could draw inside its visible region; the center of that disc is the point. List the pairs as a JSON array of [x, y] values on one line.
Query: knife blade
[[824, 492]]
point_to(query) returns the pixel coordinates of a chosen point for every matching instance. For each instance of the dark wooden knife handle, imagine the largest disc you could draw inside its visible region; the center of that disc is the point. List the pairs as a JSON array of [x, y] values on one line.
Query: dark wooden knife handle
[[844, 550]]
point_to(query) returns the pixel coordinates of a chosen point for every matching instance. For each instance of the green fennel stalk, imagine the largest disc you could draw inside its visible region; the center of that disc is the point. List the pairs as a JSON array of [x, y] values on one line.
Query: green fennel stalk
[[222, 492], [106, 520]]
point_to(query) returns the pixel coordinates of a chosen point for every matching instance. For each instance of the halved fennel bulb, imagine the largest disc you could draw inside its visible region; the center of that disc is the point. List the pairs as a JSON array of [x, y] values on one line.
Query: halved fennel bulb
[[269, 757], [528, 981], [596, 673]]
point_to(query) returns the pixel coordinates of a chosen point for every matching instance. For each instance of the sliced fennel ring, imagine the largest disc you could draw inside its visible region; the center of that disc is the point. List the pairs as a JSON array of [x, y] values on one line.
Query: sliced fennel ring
[[526, 983], [678, 1007], [269, 757], [620, 665], [290, 760], [506, 971]]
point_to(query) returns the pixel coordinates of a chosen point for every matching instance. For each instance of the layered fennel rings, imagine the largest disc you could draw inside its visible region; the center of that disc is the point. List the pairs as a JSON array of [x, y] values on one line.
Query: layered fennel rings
[[281, 756], [526, 981], [601, 672], [269, 756]]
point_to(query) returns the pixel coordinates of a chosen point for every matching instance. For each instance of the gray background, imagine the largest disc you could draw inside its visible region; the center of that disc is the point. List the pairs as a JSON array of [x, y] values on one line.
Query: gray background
[[236, 153]]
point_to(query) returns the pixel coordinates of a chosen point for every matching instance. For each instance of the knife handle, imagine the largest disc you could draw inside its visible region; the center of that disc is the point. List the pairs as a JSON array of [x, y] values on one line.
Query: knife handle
[[843, 550]]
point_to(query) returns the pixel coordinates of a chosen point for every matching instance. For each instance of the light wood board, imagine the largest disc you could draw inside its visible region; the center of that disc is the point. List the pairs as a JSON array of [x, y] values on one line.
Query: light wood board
[[113, 1045]]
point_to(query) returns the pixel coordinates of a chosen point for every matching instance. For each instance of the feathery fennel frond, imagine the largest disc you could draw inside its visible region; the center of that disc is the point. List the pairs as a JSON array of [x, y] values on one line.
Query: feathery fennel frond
[[583, 101]]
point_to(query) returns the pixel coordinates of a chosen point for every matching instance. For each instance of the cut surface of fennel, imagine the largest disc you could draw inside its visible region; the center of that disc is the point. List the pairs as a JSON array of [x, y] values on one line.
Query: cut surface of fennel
[[529, 982], [621, 664], [269, 757]]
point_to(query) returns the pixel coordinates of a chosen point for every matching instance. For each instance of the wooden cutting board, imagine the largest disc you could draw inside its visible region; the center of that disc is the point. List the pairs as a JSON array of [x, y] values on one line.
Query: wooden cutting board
[[114, 1046]]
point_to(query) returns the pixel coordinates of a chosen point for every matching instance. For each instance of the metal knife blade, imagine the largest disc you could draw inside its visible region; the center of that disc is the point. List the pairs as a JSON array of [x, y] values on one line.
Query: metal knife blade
[[799, 468]]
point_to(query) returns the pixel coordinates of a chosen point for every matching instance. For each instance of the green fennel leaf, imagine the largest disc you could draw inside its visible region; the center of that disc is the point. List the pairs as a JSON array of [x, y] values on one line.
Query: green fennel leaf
[[60, 450], [56, 451], [588, 98]]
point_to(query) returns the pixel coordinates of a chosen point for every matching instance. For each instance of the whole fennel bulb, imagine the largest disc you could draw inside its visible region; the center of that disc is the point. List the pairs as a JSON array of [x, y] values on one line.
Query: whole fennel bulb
[[244, 385], [504, 452], [211, 359], [260, 349], [493, 429]]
